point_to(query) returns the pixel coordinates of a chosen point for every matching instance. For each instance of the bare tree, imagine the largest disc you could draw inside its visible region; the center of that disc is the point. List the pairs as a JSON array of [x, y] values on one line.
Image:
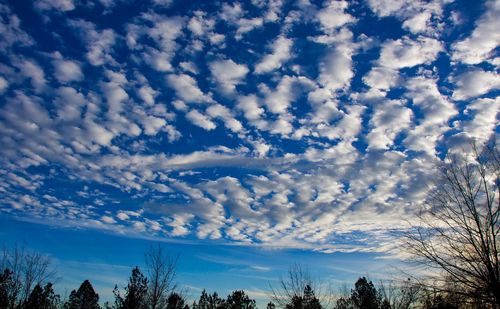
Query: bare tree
[[294, 284], [28, 269], [161, 274], [459, 230], [400, 294]]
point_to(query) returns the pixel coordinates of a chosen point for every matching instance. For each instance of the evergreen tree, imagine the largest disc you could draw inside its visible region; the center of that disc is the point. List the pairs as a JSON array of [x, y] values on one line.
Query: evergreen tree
[[209, 301], [136, 291], [271, 305], [175, 301], [307, 301], [344, 303], [84, 298], [214, 301], [203, 301], [296, 303], [364, 295], [42, 298], [239, 300]]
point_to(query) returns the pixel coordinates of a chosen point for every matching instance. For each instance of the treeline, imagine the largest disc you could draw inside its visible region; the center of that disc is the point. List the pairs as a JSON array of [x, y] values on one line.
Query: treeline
[[25, 283]]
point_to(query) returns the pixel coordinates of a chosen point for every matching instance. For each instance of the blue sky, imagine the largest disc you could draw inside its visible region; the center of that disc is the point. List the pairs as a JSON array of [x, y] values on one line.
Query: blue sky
[[264, 131]]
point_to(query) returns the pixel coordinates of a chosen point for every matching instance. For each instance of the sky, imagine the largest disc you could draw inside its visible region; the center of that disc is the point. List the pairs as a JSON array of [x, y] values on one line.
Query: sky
[[244, 135]]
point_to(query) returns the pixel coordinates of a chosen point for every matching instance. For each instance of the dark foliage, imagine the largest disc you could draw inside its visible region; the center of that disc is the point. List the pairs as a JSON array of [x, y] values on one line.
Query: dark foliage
[[176, 301], [5, 282], [307, 301], [135, 292], [42, 298], [84, 298], [209, 301], [363, 296], [239, 300]]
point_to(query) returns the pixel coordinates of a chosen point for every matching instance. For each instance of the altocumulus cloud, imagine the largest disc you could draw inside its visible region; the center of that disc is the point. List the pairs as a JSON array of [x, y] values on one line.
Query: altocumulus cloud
[[280, 124]]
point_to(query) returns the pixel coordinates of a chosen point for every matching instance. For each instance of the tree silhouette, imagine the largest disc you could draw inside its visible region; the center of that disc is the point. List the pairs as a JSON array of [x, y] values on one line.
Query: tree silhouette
[[239, 300], [135, 292], [365, 295], [307, 301], [458, 235], [27, 269], [175, 301], [161, 274], [270, 305], [5, 282], [84, 298], [209, 301], [42, 298], [292, 287]]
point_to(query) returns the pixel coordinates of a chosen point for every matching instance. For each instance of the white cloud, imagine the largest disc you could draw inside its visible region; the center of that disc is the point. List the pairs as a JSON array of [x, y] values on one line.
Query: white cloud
[[70, 103], [200, 120], [418, 23], [436, 111], [220, 111], [61, 5], [100, 47], [480, 45], [196, 26], [385, 8], [99, 42], [30, 69], [228, 74], [417, 16], [186, 88], [246, 25], [389, 118], [407, 53], [115, 96], [152, 124], [474, 83], [108, 219], [484, 113], [4, 84], [250, 107], [336, 71], [381, 78], [67, 71], [333, 15], [289, 87], [11, 33], [189, 66], [158, 60], [147, 94], [98, 134], [122, 216], [281, 52]]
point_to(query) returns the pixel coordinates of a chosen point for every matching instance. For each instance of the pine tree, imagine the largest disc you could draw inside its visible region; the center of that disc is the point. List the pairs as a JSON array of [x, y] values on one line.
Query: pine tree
[[84, 298], [175, 301], [239, 300], [42, 298], [365, 295], [209, 301], [307, 301], [136, 291]]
